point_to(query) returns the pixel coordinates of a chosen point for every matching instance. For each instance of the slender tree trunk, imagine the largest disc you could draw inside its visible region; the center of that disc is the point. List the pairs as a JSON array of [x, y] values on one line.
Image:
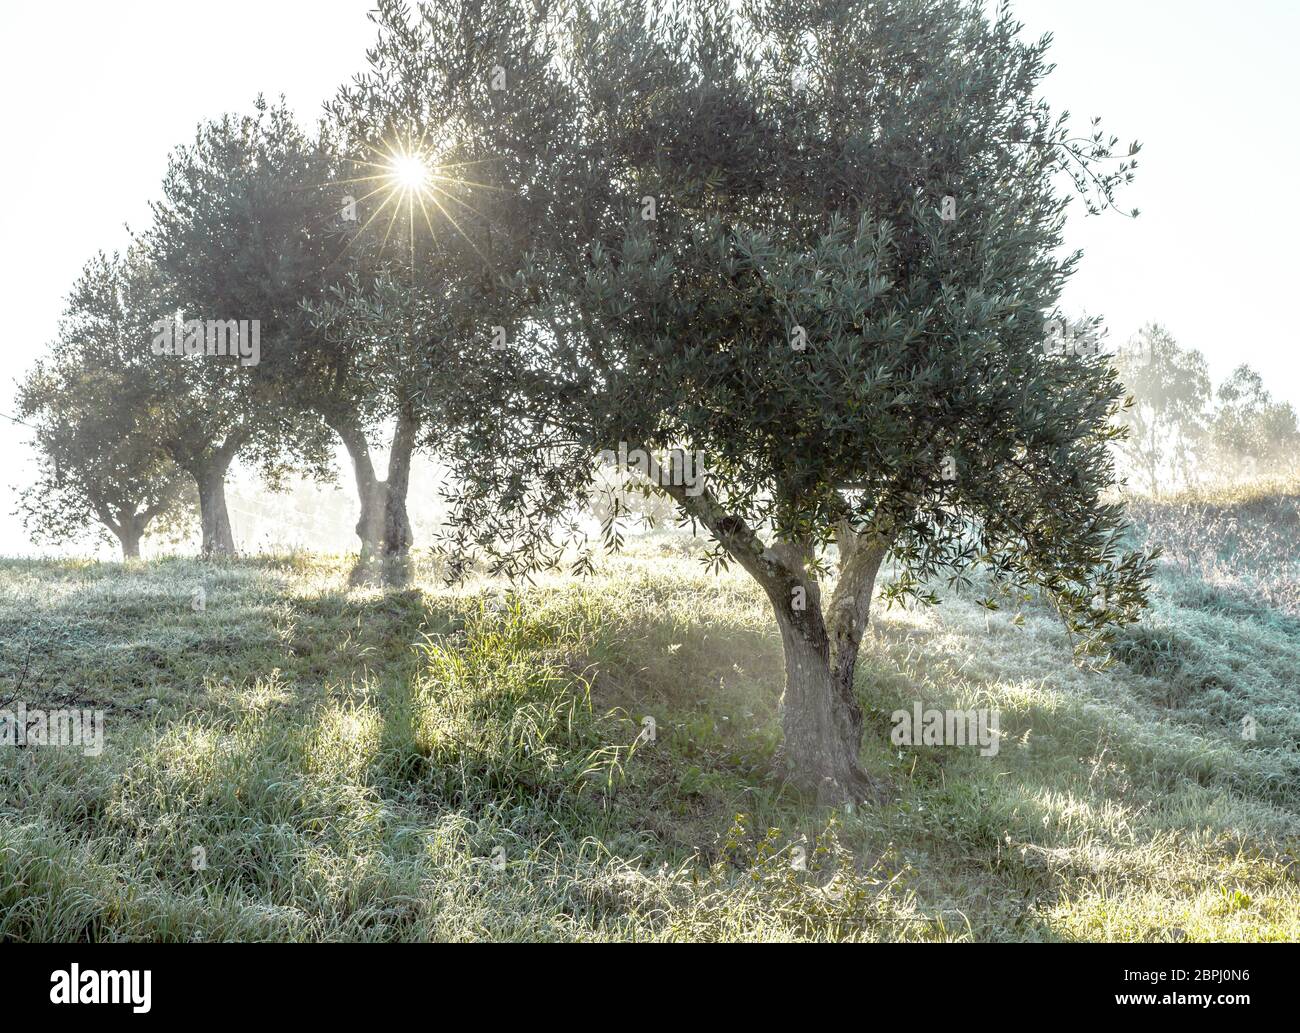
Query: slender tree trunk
[[371, 491], [218, 539], [397, 525], [1153, 455]]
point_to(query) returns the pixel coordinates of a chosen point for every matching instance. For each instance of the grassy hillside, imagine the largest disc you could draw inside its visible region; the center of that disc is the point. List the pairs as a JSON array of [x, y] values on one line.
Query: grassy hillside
[[462, 764]]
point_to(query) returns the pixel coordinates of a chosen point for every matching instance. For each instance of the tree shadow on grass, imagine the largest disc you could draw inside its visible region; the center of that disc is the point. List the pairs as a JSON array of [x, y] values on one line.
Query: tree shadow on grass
[[69, 634]]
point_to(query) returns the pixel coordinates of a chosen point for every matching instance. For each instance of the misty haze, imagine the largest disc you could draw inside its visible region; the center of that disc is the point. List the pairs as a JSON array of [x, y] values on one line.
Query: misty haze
[[619, 470]]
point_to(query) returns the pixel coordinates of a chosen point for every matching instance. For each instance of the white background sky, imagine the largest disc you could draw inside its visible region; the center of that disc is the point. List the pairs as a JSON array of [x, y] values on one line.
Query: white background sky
[[98, 93]]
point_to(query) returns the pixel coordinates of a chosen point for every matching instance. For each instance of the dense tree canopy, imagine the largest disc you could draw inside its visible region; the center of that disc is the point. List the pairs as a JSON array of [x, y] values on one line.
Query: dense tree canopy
[[816, 246]]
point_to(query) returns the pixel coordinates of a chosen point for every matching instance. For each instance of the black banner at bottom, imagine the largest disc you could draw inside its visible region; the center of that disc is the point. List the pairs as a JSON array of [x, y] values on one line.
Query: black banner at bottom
[[147, 982]]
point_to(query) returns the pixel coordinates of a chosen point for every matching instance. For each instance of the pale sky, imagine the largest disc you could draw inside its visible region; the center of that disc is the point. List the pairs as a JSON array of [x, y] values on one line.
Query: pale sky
[[99, 93]]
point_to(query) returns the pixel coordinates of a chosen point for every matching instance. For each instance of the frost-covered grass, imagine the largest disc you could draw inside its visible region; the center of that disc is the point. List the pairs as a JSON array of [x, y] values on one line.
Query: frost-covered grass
[[430, 763]]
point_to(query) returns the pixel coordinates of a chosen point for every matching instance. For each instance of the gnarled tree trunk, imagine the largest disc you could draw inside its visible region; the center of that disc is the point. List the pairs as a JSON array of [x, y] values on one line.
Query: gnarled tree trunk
[[820, 749], [860, 559], [821, 718], [397, 525], [371, 491], [820, 714], [383, 527]]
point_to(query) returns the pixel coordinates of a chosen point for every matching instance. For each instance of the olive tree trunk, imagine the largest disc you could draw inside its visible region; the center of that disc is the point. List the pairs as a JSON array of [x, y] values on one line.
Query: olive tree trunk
[[383, 527], [370, 490], [209, 468], [129, 535], [127, 526], [821, 717], [819, 749], [397, 525], [218, 538]]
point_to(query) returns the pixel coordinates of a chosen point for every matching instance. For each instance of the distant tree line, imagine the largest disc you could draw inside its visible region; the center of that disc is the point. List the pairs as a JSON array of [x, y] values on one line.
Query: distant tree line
[[1182, 431]]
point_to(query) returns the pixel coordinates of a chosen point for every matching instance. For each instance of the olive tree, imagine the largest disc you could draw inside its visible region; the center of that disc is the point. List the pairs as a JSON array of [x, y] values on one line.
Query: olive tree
[[240, 237], [99, 455], [442, 133], [815, 246]]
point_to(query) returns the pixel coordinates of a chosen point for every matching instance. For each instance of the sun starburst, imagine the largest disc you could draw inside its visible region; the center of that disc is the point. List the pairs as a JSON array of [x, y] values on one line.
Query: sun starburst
[[410, 172], [413, 180]]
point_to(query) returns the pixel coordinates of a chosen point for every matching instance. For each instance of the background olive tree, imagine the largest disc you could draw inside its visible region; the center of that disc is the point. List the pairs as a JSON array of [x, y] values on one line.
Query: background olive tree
[[100, 455], [239, 233], [441, 135]]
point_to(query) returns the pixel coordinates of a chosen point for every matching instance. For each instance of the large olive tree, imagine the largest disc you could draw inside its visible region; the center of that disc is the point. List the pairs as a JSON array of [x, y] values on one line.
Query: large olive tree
[[817, 245]]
